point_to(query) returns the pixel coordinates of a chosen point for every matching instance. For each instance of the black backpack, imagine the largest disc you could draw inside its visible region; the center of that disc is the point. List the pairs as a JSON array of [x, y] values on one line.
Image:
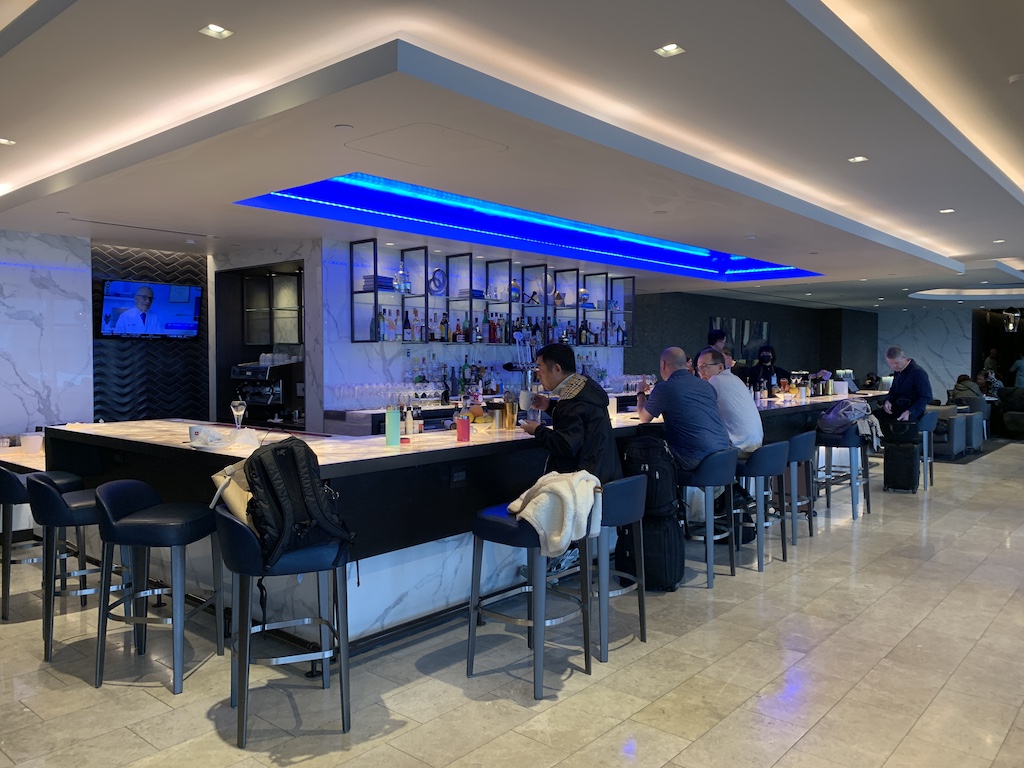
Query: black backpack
[[651, 456], [290, 507]]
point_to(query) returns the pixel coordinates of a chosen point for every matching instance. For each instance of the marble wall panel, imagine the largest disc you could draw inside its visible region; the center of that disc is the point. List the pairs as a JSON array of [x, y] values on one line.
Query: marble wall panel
[[45, 331], [937, 337]]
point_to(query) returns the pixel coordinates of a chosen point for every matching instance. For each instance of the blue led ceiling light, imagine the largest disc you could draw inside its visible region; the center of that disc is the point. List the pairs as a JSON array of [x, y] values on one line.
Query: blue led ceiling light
[[370, 200]]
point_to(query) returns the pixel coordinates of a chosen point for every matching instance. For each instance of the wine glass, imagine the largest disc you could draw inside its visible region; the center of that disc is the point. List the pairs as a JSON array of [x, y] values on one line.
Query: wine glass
[[238, 411]]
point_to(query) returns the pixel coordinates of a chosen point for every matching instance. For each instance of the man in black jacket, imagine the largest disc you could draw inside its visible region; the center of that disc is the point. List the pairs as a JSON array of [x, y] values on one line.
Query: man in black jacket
[[580, 435], [911, 390]]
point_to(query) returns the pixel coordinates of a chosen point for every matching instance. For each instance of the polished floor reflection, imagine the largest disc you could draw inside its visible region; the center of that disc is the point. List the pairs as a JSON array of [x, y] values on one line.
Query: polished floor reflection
[[895, 640]]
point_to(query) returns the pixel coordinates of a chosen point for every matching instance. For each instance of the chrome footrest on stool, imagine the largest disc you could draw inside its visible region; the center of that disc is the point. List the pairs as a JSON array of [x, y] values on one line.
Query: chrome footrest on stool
[[295, 658], [527, 622]]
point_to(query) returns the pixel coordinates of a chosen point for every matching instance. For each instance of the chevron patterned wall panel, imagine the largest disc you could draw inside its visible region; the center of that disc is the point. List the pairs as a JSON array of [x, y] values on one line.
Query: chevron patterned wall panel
[[150, 378]]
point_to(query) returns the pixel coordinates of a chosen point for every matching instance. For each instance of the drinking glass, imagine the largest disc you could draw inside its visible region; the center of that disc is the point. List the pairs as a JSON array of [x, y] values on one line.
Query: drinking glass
[[238, 411]]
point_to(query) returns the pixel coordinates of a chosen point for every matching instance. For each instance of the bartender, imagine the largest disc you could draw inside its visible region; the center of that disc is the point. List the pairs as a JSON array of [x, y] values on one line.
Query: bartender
[[766, 370]]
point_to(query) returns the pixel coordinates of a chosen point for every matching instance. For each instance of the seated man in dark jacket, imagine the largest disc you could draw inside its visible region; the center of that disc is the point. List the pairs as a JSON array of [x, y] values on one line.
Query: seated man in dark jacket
[[910, 391], [580, 435]]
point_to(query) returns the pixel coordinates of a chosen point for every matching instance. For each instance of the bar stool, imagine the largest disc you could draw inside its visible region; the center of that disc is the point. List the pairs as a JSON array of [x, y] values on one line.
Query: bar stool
[[243, 557], [54, 512], [926, 425], [12, 492], [622, 504], [766, 462], [133, 515], [802, 452], [716, 469], [496, 524], [860, 470]]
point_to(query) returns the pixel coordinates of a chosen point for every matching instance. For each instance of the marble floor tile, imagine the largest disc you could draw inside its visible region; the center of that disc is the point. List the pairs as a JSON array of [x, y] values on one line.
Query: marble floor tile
[[931, 650], [384, 756], [512, 750], [744, 739], [753, 665], [630, 743], [694, 707], [971, 724], [798, 632], [900, 687], [995, 677], [913, 753], [856, 735], [799, 696], [844, 657], [1011, 753]]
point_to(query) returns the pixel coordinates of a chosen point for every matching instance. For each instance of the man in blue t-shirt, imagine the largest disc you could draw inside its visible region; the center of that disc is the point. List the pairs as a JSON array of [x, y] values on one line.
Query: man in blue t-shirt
[[693, 426]]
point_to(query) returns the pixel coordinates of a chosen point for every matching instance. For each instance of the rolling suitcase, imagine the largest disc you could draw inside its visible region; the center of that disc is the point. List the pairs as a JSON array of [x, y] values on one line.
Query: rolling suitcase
[[902, 467], [664, 552]]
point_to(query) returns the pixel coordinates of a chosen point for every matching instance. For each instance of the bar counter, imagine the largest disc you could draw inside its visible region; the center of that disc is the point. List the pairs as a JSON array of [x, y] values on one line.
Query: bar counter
[[411, 506]]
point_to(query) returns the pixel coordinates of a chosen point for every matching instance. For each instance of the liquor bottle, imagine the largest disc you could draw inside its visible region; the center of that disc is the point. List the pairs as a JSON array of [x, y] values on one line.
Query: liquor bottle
[[391, 327], [467, 370], [581, 335], [603, 339], [444, 327], [620, 335], [478, 335], [458, 331], [417, 326], [374, 326], [406, 328]]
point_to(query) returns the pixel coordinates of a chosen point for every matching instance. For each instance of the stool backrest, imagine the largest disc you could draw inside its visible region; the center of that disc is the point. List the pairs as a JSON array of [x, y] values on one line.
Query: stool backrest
[[802, 447], [48, 505], [978, 405], [766, 461], [718, 468], [120, 498], [928, 421], [624, 500], [12, 490], [239, 545]]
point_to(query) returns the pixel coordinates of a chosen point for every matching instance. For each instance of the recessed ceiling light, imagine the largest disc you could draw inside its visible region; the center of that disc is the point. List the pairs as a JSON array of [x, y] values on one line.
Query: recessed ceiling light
[[807, 294], [388, 243], [344, 127], [479, 257], [904, 309], [881, 298], [961, 301], [437, 250], [669, 49], [863, 279], [857, 159], [8, 142], [997, 242], [190, 242], [874, 305], [948, 210], [661, 211], [984, 282], [750, 237], [216, 31], [905, 289]]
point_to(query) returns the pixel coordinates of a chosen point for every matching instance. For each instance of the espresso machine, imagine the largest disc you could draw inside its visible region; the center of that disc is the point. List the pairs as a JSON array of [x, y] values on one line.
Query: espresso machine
[[274, 393]]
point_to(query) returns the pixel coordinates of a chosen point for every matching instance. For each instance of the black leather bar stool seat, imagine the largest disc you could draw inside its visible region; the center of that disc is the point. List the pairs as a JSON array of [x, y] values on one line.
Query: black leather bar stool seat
[[860, 469], [622, 505], [133, 515], [243, 557], [55, 512], [497, 525], [766, 462], [13, 491], [717, 469]]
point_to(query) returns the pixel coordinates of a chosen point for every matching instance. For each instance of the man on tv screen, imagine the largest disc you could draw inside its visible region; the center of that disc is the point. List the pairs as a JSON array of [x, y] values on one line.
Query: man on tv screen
[[140, 319]]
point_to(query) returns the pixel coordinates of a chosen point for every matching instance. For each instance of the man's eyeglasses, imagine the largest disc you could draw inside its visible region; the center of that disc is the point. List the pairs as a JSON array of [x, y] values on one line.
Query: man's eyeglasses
[[706, 365]]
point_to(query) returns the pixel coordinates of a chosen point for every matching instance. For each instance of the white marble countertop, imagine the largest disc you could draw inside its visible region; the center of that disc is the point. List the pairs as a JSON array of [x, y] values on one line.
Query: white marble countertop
[[14, 457]]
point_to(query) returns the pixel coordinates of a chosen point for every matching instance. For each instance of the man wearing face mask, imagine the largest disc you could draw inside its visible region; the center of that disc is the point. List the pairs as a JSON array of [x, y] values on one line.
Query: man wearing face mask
[[766, 370]]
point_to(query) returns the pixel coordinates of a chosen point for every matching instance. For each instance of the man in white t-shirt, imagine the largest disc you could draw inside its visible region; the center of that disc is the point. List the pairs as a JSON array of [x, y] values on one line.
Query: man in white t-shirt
[[735, 403]]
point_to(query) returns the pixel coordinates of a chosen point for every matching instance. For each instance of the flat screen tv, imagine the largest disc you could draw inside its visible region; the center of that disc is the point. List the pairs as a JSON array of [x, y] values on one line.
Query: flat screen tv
[[150, 310]]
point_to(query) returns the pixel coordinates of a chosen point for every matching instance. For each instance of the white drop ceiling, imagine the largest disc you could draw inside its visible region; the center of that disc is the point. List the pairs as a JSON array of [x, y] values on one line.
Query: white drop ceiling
[[133, 129]]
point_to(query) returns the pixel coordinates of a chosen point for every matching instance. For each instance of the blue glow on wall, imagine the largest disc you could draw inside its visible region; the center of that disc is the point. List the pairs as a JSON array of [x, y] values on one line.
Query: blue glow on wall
[[373, 201]]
